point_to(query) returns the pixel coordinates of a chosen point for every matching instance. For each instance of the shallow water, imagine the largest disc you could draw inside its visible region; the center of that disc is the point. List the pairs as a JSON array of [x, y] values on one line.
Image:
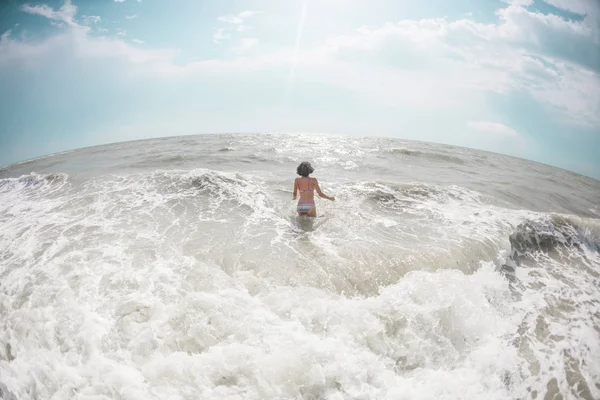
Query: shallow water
[[176, 268]]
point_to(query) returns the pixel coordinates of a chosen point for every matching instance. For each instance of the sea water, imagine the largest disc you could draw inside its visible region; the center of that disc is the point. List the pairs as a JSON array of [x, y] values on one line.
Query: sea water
[[177, 268]]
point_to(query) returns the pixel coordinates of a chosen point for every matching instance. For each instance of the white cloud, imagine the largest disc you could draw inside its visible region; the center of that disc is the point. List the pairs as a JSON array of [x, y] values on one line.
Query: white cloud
[[522, 3], [82, 45], [492, 128], [119, 1], [518, 23], [249, 13], [574, 95], [138, 41], [246, 44], [582, 7], [90, 19], [66, 13], [220, 35], [78, 42], [231, 19], [520, 53], [495, 136], [131, 16], [239, 18], [237, 21]]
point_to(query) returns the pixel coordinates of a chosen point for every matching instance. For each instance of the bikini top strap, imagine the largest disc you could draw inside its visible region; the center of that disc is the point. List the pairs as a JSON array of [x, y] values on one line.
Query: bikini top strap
[[309, 184]]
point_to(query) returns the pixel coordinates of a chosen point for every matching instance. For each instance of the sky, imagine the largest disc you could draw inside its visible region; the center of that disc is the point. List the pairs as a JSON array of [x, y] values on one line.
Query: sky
[[516, 77]]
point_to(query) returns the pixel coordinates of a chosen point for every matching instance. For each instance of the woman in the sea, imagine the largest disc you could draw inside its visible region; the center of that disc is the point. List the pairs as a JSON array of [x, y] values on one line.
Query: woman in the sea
[[307, 186]]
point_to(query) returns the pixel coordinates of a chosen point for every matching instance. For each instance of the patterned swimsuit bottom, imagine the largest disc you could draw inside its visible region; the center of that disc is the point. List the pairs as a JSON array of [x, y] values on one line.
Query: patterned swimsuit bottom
[[304, 207]]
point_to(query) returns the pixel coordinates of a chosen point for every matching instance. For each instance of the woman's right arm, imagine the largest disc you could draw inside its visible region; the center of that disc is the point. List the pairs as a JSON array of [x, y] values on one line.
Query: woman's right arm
[[295, 188], [320, 193]]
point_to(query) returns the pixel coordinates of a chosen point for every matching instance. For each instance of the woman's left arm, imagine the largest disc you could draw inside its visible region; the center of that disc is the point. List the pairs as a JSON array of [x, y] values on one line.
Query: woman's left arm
[[320, 193]]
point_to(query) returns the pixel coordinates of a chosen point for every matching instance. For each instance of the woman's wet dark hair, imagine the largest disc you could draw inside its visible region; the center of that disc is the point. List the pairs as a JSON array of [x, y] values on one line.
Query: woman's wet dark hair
[[304, 169]]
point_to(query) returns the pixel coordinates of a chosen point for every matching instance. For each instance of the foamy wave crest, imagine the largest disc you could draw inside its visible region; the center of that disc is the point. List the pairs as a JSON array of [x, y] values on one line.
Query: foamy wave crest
[[33, 181], [388, 193], [205, 193], [554, 270], [555, 236]]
